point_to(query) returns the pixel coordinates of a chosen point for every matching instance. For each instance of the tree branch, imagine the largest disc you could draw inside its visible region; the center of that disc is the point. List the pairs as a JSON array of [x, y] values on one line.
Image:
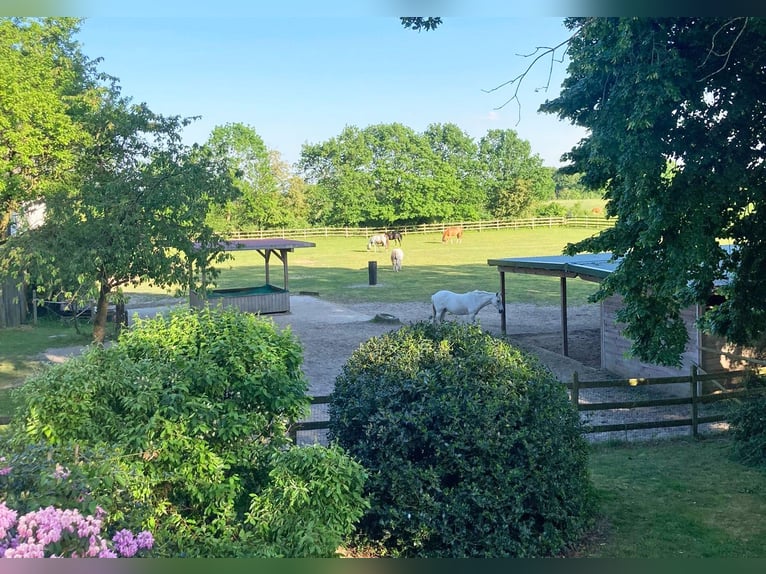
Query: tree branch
[[546, 51], [728, 52]]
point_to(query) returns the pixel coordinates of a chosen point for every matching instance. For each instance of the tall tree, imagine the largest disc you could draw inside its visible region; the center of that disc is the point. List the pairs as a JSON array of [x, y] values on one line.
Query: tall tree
[[387, 174], [293, 191], [339, 171], [690, 91], [260, 204], [512, 176], [44, 79], [135, 211]]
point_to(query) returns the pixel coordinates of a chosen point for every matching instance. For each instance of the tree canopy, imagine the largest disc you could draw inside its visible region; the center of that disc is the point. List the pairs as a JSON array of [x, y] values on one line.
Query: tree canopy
[[44, 79], [689, 93], [388, 174], [125, 200]]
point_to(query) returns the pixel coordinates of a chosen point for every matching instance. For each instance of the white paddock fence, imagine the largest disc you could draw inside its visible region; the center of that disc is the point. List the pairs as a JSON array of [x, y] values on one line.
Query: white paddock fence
[[528, 223]]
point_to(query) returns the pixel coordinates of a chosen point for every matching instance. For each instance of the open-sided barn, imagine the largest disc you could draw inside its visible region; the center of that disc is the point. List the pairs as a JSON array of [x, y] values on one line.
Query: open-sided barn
[[705, 351]]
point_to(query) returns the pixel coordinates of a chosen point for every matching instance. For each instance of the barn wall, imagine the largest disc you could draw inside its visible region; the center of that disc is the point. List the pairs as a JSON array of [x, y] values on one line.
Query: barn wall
[[713, 361], [615, 348]]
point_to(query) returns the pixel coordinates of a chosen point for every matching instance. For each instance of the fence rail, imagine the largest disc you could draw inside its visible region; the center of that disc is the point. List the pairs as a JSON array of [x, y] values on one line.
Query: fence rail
[[695, 380], [529, 223], [694, 400]]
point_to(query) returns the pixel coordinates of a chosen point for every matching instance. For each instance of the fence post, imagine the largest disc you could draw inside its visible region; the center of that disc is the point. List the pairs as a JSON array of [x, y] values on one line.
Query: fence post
[[576, 390], [695, 398]]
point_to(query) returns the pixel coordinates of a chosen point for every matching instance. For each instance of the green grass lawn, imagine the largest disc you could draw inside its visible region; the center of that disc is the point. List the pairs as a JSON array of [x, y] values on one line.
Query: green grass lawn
[[678, 498], [20, 345]]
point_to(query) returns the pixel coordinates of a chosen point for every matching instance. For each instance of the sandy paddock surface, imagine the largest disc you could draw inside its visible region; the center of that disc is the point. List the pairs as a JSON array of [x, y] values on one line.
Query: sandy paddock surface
[[329, 339], [329, 333]]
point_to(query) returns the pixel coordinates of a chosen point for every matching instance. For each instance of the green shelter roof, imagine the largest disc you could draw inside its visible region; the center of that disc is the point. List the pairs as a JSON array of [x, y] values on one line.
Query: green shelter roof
[[589, 266]]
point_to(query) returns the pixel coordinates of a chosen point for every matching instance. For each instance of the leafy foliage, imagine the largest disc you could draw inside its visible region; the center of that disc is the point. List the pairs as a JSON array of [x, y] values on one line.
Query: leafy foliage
[[174, 428], [748, 425], [387, 174], [688, 91], [472, 447], [419, 23], [311, 504], [260, 202], [513, 177], [44, 83]]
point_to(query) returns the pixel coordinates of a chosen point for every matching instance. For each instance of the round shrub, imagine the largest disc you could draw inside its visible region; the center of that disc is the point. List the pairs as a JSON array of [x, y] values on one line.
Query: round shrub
[[472, 446]]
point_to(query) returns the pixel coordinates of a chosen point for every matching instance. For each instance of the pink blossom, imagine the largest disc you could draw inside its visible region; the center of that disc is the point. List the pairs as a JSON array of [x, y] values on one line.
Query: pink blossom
[[26, 550], [125, 543], [145, 539], [7, 519], [61, 472], [45, 526]]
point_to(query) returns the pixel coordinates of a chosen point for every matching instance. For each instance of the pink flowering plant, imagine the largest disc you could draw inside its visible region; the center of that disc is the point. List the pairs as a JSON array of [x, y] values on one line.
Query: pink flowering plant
[[172, 430], [46, 516], [53, 532]]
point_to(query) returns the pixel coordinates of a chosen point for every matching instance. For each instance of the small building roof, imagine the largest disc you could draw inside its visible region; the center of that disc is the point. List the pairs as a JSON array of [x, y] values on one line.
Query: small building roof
[[588, 266], [268, 243]]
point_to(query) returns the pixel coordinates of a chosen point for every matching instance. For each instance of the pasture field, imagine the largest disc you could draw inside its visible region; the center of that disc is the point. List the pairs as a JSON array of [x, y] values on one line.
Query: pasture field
[[583, 206], [338, 267]]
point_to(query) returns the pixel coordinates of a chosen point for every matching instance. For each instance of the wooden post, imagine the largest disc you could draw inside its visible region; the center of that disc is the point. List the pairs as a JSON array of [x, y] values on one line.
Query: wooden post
[[695, 403], [564, 326], [576, 390], [502, 295]]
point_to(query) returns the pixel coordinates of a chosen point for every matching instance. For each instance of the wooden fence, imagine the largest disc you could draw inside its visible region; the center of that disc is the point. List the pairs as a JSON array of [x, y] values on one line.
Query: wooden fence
[[696, 398], [529, 223]]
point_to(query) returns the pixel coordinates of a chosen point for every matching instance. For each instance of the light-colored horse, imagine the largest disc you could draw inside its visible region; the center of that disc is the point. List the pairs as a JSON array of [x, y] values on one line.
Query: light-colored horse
[[469, 303], [380, 239], [450, 232], [397, 256]]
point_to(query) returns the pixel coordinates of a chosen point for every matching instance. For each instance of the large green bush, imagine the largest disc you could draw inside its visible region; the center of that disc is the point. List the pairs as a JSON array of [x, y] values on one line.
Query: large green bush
[[472, 447], [173, 429]]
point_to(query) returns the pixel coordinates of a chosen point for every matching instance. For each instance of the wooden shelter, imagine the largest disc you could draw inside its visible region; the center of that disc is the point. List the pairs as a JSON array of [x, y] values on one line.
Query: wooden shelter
[[702, 350], [265, 298]]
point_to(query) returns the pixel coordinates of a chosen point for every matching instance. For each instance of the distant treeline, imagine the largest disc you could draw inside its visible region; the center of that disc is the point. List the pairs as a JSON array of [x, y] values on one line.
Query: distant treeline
[[387, 175]]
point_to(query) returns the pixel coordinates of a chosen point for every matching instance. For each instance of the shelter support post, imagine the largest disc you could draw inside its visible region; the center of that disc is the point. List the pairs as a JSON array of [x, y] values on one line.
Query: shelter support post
[[282, 256], [266, 254], [502, 295], [564, 328]]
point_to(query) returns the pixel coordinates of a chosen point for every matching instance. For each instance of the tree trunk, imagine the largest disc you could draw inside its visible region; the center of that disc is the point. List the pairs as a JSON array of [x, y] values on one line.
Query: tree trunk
[[99, 322]]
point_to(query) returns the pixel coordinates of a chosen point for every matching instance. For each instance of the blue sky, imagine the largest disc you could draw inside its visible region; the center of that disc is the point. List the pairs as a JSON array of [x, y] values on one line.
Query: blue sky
[[299, 80]]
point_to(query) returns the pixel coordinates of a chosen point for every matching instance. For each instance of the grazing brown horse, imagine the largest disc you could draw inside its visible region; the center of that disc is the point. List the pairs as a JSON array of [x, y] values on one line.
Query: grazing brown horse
[[450, 232], [394, 236]]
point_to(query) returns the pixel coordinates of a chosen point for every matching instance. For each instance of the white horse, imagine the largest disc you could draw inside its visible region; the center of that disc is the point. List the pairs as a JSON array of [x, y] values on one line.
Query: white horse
[[463, 303], [375, 240], [397, 256]]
